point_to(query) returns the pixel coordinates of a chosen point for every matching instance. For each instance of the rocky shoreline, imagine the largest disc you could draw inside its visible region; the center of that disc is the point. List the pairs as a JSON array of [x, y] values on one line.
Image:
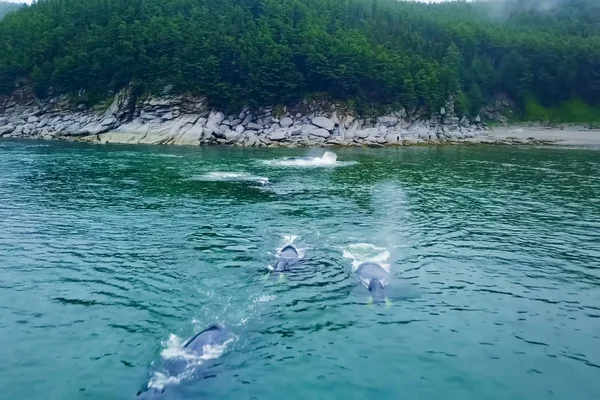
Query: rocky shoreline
[[187, 120]]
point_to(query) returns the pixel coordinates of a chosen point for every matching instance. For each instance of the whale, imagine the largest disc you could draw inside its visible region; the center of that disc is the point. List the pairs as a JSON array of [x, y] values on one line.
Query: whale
[[375, 278], [288, 258], [190, 359]]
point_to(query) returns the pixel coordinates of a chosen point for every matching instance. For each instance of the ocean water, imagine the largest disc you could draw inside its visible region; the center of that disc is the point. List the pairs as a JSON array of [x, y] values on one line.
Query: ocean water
[[111, 256]]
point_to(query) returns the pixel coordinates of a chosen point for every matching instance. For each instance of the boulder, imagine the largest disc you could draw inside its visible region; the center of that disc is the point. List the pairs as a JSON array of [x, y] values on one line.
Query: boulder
[[232, 135], [254, 126], [278, 135], [351, 131], [323, 122], [388, 121], [247, 119], [6, 129], [286, 122], [207, 131], [319, 132], [365, 133], [108, 121], [400, 113], [32, 119], [215, 118]]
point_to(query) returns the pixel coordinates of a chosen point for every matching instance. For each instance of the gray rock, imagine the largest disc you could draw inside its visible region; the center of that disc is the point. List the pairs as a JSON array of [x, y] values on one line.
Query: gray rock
[[108, 121], [232, 135], [6, 129], [168, 116], [286, 122], [247, 119], [278, 135], [388, 121], [32, 119], [239, 128], [323, 122], [215, 118], [207, 131], [478, 119], [365, 133], [254, 126], [348, 120], [443, 111], [351, 130], [319, 132], [400, 113]]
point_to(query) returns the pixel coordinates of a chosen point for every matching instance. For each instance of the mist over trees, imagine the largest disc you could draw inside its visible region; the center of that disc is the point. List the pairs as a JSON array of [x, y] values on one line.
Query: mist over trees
[[369, 53], [6, 7]]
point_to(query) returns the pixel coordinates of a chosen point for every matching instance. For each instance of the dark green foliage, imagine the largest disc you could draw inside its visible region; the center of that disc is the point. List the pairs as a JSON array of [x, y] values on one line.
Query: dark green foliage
[[371, 53]]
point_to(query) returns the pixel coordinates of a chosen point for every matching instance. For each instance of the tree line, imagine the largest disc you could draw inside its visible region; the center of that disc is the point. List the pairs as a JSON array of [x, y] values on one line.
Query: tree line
[[369, 53]]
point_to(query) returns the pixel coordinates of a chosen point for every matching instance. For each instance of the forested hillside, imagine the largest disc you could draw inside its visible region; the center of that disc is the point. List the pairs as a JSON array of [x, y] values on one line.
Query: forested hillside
[[369, 53], [6, 7]]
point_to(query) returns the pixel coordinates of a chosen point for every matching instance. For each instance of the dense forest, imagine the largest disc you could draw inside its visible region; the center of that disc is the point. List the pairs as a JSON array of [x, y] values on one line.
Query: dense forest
[[368, 53], [6, 7]]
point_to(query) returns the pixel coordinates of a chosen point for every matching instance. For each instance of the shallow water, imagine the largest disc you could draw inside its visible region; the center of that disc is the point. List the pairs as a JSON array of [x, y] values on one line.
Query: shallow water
[[111, 255]]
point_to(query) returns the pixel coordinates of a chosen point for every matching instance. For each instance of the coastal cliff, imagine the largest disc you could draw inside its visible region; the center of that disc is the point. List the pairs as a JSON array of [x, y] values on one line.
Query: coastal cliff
[[188, 120]]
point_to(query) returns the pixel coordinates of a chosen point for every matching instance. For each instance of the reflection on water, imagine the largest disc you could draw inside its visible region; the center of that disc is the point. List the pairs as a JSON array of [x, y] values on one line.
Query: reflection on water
[[109, 251]]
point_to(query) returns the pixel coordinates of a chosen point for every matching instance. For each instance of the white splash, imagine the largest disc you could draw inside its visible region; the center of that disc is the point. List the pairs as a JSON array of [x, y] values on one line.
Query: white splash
[[168, 155], [363, 252], [264, 298], [173, 350], [225, 176], [328, 159]]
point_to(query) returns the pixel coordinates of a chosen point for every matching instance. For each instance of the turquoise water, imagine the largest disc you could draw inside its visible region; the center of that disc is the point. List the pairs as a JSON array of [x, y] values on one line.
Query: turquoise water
[[111, 255]]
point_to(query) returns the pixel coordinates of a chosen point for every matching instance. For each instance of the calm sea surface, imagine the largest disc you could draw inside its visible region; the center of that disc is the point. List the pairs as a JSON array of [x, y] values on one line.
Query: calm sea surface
[[110, 256]]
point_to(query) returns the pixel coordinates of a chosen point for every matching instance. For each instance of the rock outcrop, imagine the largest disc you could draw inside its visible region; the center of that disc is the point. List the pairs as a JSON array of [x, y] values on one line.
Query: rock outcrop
[[188, 120]]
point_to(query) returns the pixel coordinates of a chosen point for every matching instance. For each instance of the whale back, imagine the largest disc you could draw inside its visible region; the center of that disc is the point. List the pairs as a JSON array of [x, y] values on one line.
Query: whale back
[[199, 347], [288, 251], [369, 271], [211, 336], [288, 257]]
